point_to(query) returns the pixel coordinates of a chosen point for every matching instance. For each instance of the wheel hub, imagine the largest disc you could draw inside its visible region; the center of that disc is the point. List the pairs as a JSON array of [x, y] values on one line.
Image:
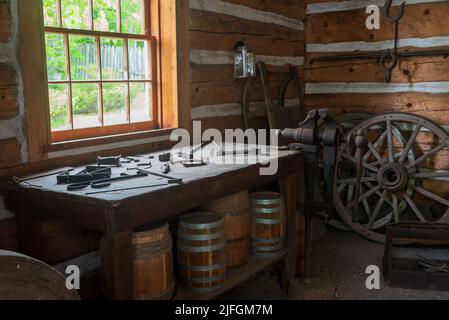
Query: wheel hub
[[393, 177]]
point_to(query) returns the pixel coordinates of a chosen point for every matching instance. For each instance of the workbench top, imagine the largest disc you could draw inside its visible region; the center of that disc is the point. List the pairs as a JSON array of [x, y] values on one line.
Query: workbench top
[[206, 183]]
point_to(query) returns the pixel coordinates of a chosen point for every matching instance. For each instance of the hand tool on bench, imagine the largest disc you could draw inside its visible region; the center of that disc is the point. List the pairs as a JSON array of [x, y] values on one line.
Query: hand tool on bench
[[171, 180], [109, 161], [44, 175], [104, 183], [89, 174]]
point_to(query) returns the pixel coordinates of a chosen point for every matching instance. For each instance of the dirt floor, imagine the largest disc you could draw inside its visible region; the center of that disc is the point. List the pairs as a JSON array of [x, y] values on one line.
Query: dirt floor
[[341, 258]]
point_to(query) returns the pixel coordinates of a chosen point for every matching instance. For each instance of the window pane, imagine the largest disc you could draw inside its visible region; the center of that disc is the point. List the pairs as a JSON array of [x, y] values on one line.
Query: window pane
[[56, 59], [113, 59], [132, 16], [138, 60], [140, 102], [105, 15], [85, 105], [75, 14], [114, 103], [83, 58], [50, 13], [59, 107]]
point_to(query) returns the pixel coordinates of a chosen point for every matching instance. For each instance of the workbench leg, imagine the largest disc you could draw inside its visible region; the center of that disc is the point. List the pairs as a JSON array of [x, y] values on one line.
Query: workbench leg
[[289, 191], [117, 265]]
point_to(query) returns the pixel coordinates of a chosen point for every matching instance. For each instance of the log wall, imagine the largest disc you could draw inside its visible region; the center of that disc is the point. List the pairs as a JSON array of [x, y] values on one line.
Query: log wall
[[419, 85]]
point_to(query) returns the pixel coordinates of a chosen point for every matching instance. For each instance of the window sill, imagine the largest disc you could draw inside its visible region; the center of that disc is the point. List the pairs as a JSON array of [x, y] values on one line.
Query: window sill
[[75, 144]]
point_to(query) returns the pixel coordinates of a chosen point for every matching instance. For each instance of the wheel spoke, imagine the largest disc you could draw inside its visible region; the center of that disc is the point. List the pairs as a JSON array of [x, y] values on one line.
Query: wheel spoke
[[415, 209], [390, 140], [410, 143], [376, 145], [341, 187], [376, 154], [354, 180], [362, 198], [431, 175], [366, 165], [350, 194], [426, 155], [376, 212], [430, 195], [395, 208]]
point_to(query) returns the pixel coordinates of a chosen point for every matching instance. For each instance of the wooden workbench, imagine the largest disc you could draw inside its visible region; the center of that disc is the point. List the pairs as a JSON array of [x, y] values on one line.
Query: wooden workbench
[[116, 214]]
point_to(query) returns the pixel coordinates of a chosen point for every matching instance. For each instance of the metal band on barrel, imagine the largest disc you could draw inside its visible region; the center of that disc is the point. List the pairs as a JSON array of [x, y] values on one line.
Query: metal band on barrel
[[216, 247], [269, 221], [214, 267], [267, 210], [202, 237]]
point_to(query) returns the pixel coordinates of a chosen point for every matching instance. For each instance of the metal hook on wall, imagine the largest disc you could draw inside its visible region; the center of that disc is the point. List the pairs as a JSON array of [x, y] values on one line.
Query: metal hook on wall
[[387, 9]]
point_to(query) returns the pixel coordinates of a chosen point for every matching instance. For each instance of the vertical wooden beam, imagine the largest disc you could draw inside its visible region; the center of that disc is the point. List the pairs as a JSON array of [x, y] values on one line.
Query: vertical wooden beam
[[117, 265], [288, 188], [34, 73]]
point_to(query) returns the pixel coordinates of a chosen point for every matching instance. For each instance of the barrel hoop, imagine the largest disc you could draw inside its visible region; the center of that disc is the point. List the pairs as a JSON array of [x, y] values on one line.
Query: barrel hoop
[[267, 241], [207, 290], [205, 280], [216, 247], [150, 235], [267, 210], [201, 237], [270, 221], [213, 267], [267, 202], [268, 249], [202, 226], [265, 254]]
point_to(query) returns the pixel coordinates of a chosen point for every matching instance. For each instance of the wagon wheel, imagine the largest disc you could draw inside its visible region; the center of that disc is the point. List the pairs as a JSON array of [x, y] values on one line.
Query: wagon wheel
[[347, 121], [398, 180]]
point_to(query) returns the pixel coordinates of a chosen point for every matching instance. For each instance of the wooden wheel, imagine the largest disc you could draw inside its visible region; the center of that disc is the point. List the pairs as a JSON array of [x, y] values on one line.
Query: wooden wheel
[[401, 178]]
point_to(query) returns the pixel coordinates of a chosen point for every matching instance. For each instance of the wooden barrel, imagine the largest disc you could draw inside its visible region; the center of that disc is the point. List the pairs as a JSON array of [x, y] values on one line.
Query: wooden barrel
[[301, 242], [153, 264], [202, 251], [268, 224], [25, 278], [237, 221]]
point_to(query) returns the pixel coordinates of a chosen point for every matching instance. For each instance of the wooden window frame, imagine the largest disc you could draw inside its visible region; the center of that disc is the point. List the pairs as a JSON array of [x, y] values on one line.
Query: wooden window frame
[[171, 75], [106, 130]]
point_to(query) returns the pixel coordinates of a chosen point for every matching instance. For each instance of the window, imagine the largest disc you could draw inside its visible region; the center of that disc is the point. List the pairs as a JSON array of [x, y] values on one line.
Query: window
[[100, 67]]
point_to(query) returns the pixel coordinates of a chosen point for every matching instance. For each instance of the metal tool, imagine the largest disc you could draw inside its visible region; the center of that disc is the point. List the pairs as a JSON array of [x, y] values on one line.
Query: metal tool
[[109, 161], [126, 189], [389, 61], [40, 176], [104, 183], [387, 14], [165, 168], [318, 134], [171, 180], [90, 173]]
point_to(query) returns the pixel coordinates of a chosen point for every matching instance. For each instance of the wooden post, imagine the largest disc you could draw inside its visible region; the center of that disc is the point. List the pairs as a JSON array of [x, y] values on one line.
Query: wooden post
[[288, 188], [117, 265]]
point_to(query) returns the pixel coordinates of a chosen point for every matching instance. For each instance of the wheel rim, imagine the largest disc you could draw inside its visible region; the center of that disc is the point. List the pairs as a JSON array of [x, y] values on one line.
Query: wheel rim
[[393, 176]]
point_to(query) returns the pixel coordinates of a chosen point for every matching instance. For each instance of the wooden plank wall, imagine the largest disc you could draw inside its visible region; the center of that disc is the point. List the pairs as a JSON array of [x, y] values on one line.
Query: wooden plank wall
[[275, 29], [419, 85], [9, 83]]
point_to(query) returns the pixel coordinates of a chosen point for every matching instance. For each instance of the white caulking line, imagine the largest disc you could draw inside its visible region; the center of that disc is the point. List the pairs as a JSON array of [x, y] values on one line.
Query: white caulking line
[[198, 56], [124, 144], [375, 87], [232, 109], [324, 7], [376, 46], [246, 13], [86, 263]]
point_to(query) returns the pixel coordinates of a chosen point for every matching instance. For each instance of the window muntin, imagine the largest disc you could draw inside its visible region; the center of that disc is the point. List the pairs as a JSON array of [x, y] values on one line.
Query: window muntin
[[99, 64]]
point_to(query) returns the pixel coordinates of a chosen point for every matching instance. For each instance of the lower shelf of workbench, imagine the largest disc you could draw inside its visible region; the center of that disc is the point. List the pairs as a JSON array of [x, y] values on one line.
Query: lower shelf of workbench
[[236, 276]]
